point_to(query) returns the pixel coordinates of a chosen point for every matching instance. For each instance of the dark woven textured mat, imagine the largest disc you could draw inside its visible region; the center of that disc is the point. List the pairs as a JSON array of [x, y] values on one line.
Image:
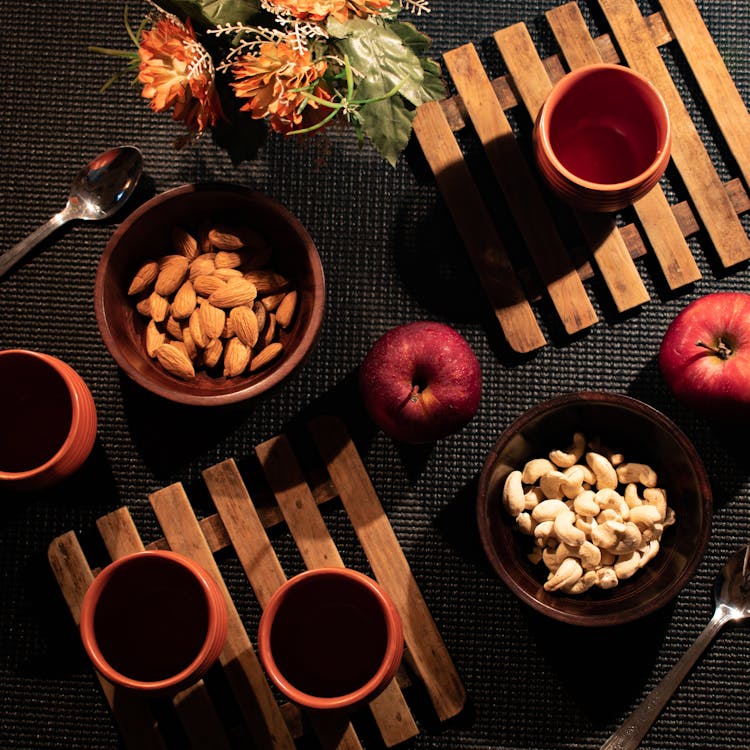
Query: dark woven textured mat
[[390, 256]]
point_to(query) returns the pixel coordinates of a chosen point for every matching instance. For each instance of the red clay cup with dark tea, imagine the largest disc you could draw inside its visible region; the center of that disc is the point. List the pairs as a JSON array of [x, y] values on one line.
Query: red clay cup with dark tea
[[153, 622], [48, 420], [602, 138], [330, 638]]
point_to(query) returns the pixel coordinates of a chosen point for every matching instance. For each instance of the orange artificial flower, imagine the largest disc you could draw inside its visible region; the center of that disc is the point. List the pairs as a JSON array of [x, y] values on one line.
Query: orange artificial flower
[[319, 10], [269, 81], [176, 72]]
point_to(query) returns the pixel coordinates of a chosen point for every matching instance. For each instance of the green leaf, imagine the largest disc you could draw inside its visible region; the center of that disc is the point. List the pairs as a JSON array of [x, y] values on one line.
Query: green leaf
[[213, 12], [388, 125], [414, 39]]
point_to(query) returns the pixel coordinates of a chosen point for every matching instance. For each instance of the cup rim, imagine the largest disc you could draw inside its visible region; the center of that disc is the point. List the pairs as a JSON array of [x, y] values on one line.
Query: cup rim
[[65, 372], [88, 610], [391, 656], [562, 87]]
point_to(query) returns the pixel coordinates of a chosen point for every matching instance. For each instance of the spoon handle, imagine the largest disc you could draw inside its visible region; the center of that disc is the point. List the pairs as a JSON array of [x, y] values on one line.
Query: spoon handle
[[634, 728], [10, 257]]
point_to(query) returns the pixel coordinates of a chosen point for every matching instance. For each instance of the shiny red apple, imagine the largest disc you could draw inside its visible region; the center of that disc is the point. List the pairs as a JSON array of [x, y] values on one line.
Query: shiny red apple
[[420, 382], [705, 356]]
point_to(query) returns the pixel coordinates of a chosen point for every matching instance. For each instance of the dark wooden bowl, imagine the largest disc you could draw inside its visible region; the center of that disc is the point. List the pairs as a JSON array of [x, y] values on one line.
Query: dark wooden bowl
[[145, 234], [642, 434]]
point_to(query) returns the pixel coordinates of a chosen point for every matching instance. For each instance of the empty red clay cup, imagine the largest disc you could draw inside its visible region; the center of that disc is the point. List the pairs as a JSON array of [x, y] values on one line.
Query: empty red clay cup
[[330, 638], [153, 622], [602, 138], [49, 420]]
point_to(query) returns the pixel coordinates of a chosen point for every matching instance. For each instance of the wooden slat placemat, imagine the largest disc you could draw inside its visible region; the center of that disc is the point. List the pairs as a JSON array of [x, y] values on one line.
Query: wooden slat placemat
[[240, 525], [611, 247]]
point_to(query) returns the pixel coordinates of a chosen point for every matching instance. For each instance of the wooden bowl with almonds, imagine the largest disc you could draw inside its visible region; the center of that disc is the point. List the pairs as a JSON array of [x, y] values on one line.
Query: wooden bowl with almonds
[[210, 294]]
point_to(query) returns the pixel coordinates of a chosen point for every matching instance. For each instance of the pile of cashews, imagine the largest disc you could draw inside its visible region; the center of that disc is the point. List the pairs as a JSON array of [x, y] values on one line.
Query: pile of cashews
[[596, 518]]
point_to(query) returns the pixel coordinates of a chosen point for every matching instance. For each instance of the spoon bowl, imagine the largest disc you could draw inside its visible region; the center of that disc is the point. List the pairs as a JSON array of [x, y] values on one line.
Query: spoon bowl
[[97, 192]]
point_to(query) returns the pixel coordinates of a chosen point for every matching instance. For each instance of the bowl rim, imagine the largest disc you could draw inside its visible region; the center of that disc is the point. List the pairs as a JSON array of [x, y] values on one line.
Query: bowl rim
[[562, 87], [287, 364], [594, 619]]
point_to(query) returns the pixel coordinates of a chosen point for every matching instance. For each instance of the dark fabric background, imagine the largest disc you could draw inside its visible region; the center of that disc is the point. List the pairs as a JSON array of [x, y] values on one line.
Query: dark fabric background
[[391, 256]]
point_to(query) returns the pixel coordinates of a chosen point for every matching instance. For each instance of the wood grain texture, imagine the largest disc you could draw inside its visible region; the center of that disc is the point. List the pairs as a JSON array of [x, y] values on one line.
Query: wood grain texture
[[604, 240], [653, 210], [483, 244], [427, 650], [688, 152], [241, 666], [520, 189], [727, 107]]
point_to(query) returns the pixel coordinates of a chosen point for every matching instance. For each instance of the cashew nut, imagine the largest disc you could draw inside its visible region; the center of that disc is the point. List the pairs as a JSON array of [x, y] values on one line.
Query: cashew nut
[[567, 574], [606, 476], [607, 534], [631, 495], [535, 469], [589, 554], [648, 552], [566, 532], [551, 484], [572, 485], [584, 583], [658, 498], [609, 498], [542, 532], [535, 556], [606, 578], [548, 510], [585, 504], [513, 494], [549, 557], [633, 472], [608, 558], [585, 524], [525, 523], [645, 516], [628, 541], [567, 458], [627, 565], [532, 498]]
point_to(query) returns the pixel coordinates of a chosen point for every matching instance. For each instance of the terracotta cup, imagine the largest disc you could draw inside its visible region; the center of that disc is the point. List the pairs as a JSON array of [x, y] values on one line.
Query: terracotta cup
[[153, 622], [49, 420], [330, 638], [602, 138]]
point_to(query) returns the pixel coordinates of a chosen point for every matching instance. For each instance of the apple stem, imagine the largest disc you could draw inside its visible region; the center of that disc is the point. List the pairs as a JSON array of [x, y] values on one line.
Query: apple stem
[[721, 350], [414, 395]]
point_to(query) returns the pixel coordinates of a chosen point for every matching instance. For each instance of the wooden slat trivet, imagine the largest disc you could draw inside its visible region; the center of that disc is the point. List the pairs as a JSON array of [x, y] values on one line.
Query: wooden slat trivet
[[240, 525], [661, 229]]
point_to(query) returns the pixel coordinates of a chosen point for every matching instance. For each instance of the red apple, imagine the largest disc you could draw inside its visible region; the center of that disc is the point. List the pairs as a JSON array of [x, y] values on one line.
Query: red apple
[[420, 382], [705, 356]]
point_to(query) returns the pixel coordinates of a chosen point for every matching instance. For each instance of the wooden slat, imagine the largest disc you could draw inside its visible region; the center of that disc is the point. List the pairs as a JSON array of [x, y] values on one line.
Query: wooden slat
[[653, 210], [137, 724], [600, 232], [193, 705], [318, 550], [264, 571], [688, 152], [427, 650], [521, 191], [475, 225], [241, 665], [705, 60]]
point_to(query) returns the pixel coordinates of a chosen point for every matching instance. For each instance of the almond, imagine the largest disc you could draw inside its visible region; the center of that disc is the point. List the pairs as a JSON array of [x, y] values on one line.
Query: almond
[[175, 361], [203, 265], [285, 311], [272, 301], [227, 274], [261, 314], [173, 327], [190, 347], [144, 306], [206, 285], [196, 329], [144, 278], [184, 301], [212, 353], [228, 331], [267, 282], [158, 307], [236, 357], [154, 339], [265, 356], [270, 332], [224, 237], [236, 292], [228, 259], [184, 243], [245, 324], [212, 320], [172, 272]]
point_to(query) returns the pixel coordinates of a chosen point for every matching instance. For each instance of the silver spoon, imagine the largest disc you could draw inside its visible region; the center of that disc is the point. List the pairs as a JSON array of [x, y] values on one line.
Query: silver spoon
[[732, 595], [98, 190]]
